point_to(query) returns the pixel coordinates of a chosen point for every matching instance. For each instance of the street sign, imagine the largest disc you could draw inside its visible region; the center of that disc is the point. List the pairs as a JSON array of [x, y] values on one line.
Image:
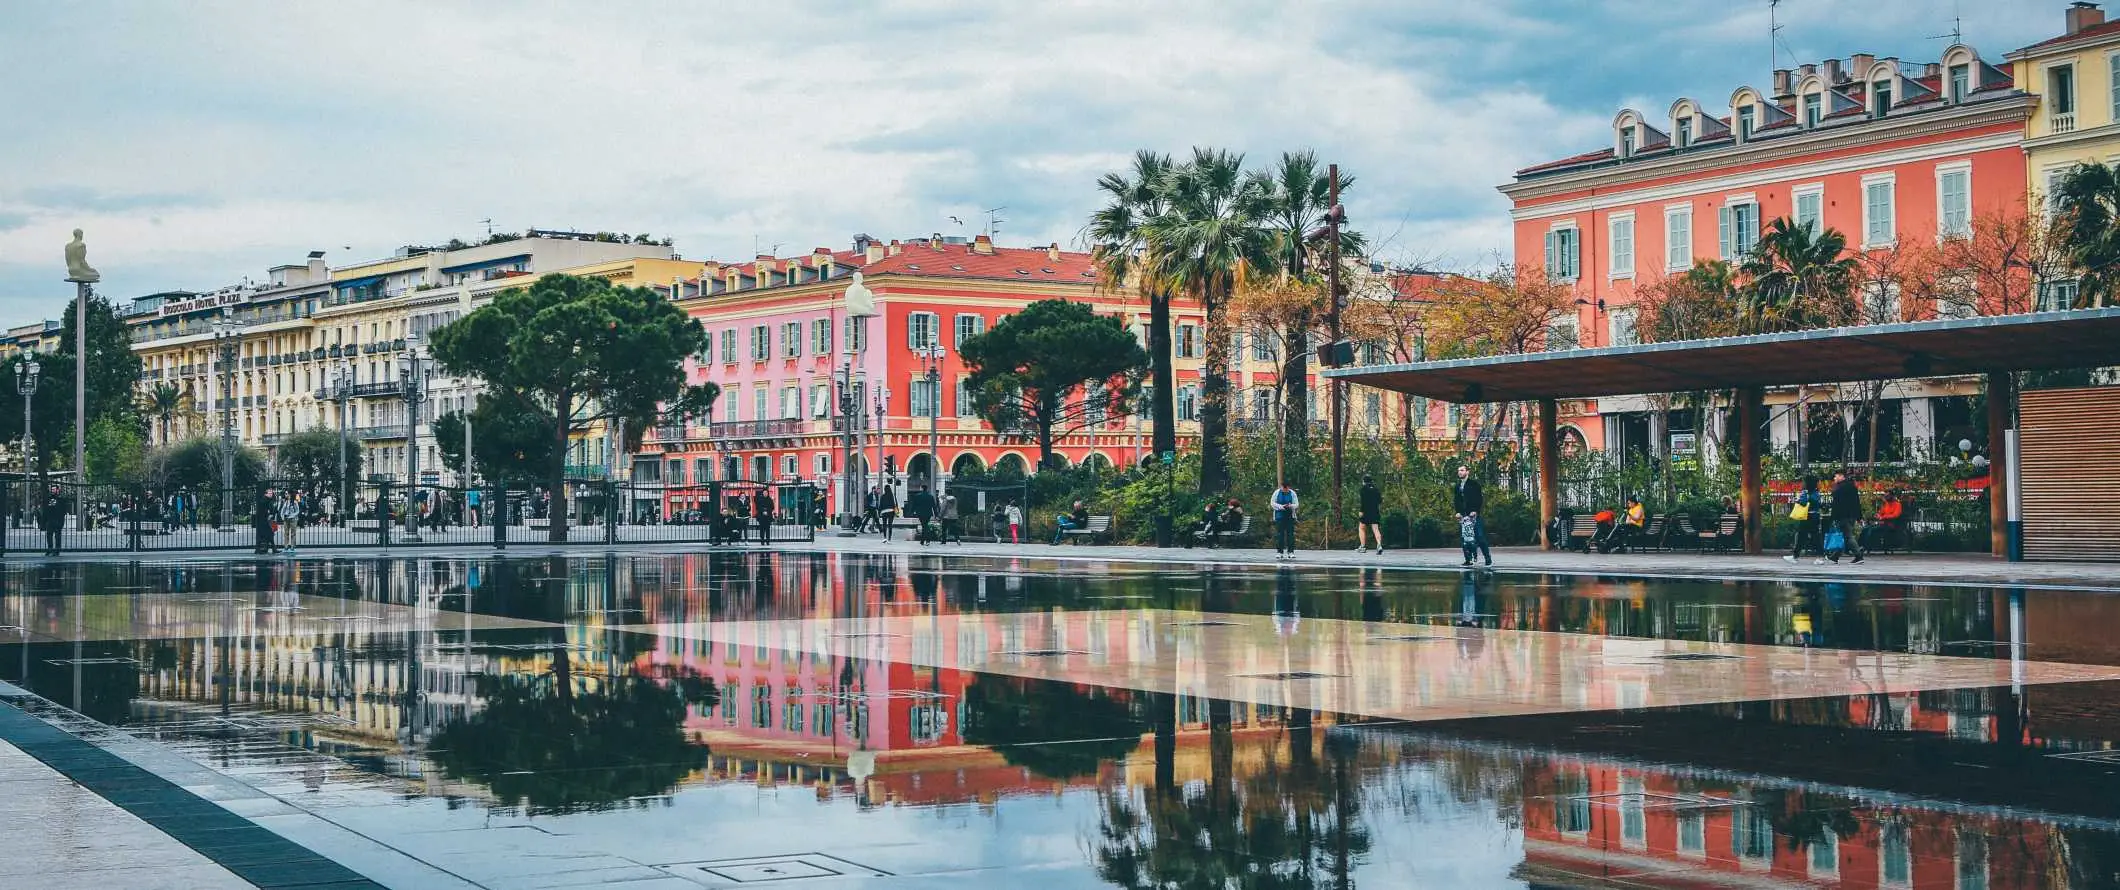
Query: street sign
[[1170, 457]]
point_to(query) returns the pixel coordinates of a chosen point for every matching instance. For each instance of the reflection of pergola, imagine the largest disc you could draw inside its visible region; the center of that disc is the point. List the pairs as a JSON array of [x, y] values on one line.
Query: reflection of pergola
[[1993, 347]]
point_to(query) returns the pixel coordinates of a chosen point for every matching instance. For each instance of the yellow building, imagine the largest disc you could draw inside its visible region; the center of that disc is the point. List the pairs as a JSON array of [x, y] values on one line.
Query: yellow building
[[2076, 79], [308, 328]]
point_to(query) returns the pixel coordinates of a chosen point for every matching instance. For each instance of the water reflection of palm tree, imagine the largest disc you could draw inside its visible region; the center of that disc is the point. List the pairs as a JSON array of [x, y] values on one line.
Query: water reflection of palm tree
[[1292, 826]]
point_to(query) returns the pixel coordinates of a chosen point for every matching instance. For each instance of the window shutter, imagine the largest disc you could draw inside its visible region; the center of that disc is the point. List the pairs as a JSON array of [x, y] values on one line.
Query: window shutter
[[1723, 232], [1553, 261]]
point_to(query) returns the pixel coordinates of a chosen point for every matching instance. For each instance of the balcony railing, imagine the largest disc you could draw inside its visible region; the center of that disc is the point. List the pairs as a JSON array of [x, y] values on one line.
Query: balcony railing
[[758, 429], [2061, 123], [383, 388], [387, 431]]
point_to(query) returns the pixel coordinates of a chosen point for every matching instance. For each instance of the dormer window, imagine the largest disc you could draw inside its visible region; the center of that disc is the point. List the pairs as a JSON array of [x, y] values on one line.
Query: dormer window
[[1813, 108], [1960, 82], [1880, 98], [1626, 142], [1685, 132], [1744, 123]]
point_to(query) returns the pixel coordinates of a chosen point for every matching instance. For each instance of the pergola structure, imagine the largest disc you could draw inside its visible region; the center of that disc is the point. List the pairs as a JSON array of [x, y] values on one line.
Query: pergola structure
[[1993, 347]]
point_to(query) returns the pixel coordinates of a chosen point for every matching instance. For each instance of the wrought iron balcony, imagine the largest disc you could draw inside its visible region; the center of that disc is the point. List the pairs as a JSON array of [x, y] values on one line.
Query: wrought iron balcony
[[386, 431], [758, 429], [383, 388]]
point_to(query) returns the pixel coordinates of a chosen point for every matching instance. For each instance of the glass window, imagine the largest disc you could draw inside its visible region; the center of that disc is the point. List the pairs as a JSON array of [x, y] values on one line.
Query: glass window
[[1373, 409], [761, 404], [728, 345], [1678, 239], [1954, 198], [1744, 122], [821, 336], [1188, 341], [1626, 142], [791, 403], [1825, 854], [857, 334], [1877, 209], [1622, 241], [1961, 82], [761, 707], [922, 330], [1692, 832], [2112, 64], [924, 397], [1623, 331], [1685, 132], [1563, 254], [1896, 861], [791, 339], [964, 399], [762, 468], [1813, 103], [1188, 403], [820, 400], [1809, 207], [1880, 98], [2061, 90], [967, 327], [761, 342]]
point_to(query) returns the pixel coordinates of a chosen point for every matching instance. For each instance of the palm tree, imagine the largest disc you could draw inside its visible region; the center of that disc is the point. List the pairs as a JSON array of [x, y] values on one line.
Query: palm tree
[[164, 401], [1796, 280], [2088, 204], [1209, 238], [1301, 195], [1120, 247]]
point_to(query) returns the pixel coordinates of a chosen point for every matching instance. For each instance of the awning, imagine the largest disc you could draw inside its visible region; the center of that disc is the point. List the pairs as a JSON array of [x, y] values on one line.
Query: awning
[[485, 264], [2081, 338]]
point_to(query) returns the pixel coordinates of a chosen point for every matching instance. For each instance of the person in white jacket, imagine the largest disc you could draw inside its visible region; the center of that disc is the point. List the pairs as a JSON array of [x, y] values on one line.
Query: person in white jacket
[[1284, 503], [1015, 523]]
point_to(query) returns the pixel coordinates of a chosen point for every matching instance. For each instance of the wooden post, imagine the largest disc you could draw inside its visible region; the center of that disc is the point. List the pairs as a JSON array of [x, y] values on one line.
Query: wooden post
[[1750, 406], [1549, 469], [2001, 394]]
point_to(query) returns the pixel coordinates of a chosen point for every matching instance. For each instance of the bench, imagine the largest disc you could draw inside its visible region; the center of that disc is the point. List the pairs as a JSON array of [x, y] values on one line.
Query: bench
[[1582, 529], [1726, 536], [1652, 534], [1240, 533], [1099, 526]]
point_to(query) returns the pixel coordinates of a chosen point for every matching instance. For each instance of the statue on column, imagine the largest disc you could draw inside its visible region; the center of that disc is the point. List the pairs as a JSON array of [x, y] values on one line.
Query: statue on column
[[77, 268]]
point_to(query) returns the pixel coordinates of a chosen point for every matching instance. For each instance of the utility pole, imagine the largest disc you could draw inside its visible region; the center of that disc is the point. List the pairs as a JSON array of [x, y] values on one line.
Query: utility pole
[[1333, 218]]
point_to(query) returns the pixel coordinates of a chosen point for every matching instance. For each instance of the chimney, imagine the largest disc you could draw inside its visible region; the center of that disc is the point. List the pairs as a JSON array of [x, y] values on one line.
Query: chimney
[[874, 252], [1859, 64], [1833, 73], [983, 245], [895, 248], [935, 241], [1052, 251], [862, 242], [1781, 82], [318, 269], [1932, 69], [1806, 70], [2083, 15]]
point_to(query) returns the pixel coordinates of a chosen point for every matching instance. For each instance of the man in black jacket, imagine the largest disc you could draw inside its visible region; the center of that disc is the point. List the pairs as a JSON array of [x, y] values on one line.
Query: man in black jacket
[[1847, 515], [261, 516], [1369, 524], [1466, 500]]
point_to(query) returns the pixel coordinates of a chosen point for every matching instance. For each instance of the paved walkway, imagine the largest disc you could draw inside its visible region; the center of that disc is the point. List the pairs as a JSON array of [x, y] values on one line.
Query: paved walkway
[[1885, 569], [61, 836]]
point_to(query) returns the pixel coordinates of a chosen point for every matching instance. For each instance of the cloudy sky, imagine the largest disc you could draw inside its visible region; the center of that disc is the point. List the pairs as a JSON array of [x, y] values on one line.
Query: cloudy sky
[[204, 141]]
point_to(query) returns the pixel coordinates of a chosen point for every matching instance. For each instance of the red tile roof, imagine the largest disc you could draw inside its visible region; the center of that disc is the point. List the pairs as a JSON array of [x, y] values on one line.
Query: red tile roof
[[1602, 154], [1005, 263], [2112, 27]]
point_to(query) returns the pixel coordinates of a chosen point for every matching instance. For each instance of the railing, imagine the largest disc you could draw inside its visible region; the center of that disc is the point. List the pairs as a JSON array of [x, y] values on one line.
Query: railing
[[757, 429], [384, 388], [387, 431], [2061, 123], [587, 471]]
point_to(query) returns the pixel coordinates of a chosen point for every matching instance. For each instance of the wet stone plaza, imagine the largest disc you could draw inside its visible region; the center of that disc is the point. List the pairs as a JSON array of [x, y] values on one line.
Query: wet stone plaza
[[887, 720]]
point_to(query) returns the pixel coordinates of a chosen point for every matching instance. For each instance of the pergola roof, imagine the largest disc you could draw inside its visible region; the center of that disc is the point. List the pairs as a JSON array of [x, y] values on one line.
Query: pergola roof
[[2080, 338]]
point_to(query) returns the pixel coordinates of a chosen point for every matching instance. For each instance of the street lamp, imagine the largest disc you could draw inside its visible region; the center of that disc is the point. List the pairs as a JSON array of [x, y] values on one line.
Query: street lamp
[[26, 387], [228, 338], [860, 304], [931, 365], [340, 392], [882, 398], [412, 375]]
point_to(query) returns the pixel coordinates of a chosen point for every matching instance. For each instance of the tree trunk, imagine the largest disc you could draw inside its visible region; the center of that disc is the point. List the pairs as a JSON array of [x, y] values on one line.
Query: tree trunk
[[1214, 393], [556, 516], [1406, 424], [1295, 376], [1163, 410]]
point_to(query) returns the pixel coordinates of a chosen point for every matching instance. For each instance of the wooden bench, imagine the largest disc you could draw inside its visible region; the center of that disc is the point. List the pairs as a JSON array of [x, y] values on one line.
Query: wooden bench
[[1652, 534], [1099, 526], [1582, 529], [1726, 536]]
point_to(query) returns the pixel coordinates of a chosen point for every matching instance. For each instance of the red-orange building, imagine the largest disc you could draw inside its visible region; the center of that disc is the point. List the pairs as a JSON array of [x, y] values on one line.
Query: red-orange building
[[1878, 149]]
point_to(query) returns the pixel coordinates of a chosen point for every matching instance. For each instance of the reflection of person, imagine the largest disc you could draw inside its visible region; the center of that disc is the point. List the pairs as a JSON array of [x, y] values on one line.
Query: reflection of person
[[1467, 500]]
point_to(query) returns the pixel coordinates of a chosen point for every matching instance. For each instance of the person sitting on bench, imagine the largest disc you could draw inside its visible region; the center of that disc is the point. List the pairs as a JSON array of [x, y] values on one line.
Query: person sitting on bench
[[1069, 521]]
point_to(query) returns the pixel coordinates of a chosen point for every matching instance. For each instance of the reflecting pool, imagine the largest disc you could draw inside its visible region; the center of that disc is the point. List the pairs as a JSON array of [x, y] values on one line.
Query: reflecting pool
[[903, 720]]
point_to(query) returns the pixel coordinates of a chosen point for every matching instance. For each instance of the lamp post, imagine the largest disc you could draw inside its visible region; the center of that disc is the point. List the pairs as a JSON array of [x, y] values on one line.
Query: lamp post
[[26, 386], [412, 376], [340, 392], [860, 306], [931, 368], [228, 340]]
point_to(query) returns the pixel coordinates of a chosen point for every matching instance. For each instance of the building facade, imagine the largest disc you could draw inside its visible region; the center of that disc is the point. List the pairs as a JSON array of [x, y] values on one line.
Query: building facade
[[2074, 81], [1880, 150]]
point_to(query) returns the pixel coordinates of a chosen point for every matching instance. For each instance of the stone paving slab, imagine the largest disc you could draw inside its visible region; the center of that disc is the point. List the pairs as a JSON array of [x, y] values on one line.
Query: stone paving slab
[[61, 835]]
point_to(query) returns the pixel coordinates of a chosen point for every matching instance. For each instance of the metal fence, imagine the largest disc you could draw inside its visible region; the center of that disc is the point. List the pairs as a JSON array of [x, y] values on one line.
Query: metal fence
[[41, 515]]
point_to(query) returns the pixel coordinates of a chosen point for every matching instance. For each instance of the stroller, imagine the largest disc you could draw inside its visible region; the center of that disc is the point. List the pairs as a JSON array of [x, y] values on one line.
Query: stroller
[[1608, 534]]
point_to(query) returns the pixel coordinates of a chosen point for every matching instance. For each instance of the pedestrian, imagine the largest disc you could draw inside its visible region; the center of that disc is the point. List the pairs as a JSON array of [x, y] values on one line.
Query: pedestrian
[[887, 509], [1804, 513], [290, 518], [1369, 522], [1205, 529], [1847, 516], [762, 513], [1066, 522], [1467, 500], [948, 523], [920, 506], [1285, 504], [262, 513], [1015, 522], [51, 518], [474, 501]]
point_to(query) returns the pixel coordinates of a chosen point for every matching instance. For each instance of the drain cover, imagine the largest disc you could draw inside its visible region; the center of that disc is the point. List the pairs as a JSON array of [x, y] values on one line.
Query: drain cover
[[763, 869], [1696, 656], [1290, 675]]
